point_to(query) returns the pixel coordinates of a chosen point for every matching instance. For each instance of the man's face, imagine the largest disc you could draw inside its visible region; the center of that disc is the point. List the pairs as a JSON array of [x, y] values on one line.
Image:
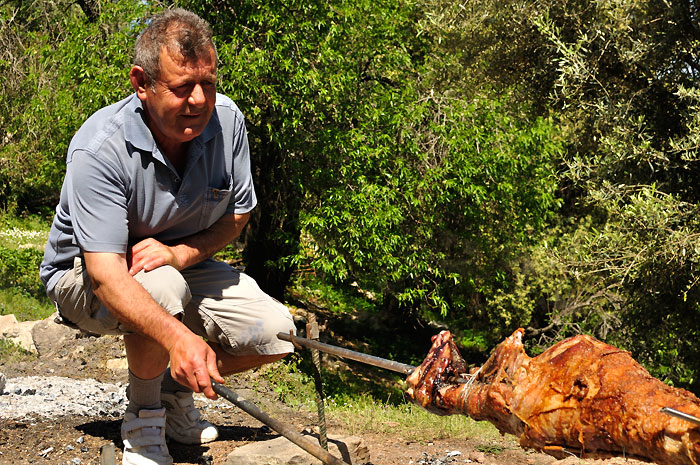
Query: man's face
[[184, 98]]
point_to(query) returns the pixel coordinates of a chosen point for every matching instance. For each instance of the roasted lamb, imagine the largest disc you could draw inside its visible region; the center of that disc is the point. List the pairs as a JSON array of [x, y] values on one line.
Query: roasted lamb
[[581, 396]]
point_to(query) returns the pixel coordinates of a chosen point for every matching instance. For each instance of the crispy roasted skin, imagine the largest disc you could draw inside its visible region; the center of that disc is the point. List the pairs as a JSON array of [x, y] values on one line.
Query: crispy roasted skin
[[581, 396]]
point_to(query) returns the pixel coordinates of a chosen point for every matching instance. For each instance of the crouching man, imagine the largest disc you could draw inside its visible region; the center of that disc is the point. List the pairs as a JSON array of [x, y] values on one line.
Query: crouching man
[[155, 185]]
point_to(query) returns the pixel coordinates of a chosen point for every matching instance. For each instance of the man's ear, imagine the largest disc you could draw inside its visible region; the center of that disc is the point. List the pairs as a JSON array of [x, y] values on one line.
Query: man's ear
[[139, 81]]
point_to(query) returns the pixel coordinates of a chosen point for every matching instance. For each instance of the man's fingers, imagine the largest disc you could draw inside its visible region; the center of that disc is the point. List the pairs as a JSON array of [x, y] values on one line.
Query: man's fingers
[[192, 382], [204, 384], [150, 254], [214, 370]]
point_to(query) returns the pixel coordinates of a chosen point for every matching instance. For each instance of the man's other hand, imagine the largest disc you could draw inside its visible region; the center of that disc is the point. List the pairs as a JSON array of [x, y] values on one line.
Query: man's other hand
[[150, 254], [193, 364]]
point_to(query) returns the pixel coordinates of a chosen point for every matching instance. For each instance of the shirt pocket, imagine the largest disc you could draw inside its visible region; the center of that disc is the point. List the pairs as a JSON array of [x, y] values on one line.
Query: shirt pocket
[[216, 202]]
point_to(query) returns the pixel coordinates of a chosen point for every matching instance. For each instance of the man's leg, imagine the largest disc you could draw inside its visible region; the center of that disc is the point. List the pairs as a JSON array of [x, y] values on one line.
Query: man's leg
[[236, 317], [229, 364], [145, 373], [239, 321], [143, 428]]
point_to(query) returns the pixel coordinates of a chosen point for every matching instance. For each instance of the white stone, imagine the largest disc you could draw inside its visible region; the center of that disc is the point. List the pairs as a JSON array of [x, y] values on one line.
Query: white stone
[[18, 333], [117, 364], [24, 339]]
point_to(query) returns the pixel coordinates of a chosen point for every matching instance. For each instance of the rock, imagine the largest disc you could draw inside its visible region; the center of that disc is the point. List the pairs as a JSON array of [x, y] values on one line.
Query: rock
[[8, 326], [48, 336], [25, 339], [281, 451], [19, 334]]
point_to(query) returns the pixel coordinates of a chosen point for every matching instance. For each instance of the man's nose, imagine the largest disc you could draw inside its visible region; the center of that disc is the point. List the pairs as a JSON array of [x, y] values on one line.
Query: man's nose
[[197, 97]]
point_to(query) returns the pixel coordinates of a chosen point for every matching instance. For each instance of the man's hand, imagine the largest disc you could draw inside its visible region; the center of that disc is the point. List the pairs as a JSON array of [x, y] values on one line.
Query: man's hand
[[193, 363], [150, 254]]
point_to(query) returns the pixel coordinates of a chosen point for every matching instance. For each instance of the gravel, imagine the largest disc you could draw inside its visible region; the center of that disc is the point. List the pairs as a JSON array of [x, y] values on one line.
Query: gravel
[[51, 397]]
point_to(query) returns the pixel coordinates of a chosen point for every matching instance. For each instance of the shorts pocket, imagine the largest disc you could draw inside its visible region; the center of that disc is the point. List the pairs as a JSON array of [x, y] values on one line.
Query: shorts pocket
[[77, 302]]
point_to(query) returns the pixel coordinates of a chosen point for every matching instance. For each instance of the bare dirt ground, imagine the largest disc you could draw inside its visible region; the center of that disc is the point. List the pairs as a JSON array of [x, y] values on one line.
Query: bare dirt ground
[[76, 440]]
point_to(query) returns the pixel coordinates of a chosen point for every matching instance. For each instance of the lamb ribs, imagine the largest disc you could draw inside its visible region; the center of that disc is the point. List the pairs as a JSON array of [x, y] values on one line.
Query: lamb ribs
[[581, 396]]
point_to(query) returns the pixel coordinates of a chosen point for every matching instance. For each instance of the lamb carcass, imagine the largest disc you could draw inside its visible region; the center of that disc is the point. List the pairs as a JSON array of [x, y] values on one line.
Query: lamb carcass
[[580, 396]]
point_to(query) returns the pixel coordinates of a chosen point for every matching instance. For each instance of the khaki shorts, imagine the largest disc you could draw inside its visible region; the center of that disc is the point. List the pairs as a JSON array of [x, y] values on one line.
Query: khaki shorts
[[211, 298]]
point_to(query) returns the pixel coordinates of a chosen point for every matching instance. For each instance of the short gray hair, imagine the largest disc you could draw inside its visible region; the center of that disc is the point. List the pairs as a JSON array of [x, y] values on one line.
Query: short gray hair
[[181, 32]]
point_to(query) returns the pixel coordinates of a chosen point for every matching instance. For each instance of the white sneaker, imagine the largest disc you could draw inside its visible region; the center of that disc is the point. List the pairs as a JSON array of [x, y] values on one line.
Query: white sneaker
[[144, 438], [184, 423]]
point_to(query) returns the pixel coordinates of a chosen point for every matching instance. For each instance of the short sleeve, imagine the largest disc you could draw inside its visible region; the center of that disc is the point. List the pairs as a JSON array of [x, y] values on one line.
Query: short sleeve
[[243, 198], [98, 203]]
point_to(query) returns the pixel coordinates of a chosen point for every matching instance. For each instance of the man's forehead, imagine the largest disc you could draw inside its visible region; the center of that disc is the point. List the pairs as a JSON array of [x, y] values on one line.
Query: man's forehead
[[174, 54]]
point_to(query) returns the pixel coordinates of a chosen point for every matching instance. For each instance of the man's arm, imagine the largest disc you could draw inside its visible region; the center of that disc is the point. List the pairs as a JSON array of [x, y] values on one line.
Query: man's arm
[[192, 361], [149, 254]]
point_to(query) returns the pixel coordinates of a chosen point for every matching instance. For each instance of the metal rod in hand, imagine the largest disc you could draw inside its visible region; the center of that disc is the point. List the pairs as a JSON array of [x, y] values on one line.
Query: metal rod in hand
[[283, 429], [312, 332], [349, 354]]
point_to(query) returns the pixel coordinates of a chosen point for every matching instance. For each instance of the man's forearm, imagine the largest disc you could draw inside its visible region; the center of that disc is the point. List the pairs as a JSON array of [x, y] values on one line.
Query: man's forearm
[[203, 245], [150, 254]]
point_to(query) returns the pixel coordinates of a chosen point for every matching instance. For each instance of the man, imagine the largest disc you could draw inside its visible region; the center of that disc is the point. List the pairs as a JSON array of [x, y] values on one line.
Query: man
[[155, 185]]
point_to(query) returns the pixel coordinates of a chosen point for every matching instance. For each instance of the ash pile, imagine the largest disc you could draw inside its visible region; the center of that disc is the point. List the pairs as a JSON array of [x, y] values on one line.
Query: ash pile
[[50, 397]]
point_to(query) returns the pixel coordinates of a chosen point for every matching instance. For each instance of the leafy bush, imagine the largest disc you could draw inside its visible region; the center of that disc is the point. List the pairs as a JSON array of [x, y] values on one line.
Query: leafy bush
[[20, 269], [57, 66]]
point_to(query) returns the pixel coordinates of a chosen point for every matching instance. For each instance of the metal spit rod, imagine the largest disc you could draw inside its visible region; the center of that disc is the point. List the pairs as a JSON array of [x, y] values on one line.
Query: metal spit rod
[[349, 354], [682, 415], [247, 406]]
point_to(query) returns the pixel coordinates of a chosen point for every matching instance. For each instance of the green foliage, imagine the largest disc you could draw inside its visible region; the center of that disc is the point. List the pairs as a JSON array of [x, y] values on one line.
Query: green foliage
[[313, 80], [21, 251], [19, 269], [440, 227], [621, 78], [57, 68]]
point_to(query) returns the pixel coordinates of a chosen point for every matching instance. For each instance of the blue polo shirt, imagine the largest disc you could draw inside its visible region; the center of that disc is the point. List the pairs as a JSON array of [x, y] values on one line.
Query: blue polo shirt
[[119, 188]]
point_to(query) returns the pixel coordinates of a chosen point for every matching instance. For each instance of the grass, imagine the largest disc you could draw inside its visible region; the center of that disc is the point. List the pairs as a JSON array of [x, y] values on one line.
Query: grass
[[410, 422], [19, 232], [25, 307], [22, 240], [336, 298], [363, 400]]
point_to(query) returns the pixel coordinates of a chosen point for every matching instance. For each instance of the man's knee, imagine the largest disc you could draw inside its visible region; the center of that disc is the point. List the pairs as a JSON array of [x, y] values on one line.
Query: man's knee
[[167, 287]]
